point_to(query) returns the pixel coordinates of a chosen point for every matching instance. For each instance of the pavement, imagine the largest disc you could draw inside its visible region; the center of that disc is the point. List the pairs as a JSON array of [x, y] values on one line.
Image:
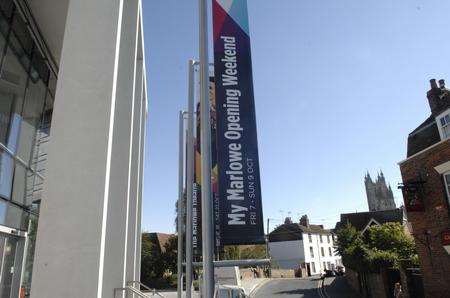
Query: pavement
[[337, 287], [252, 285], [305, 288], [248, 284], [333, 287]]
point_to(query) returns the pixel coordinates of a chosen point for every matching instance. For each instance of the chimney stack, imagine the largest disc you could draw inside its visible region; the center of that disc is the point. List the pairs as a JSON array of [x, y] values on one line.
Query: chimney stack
[[288, 221], [437, 102], [433, 84], [304, 221]]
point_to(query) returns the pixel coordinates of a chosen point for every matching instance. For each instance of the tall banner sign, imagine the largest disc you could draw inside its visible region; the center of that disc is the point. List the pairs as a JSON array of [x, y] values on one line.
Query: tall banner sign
[[196, 193], [240, 208], [197, 220]]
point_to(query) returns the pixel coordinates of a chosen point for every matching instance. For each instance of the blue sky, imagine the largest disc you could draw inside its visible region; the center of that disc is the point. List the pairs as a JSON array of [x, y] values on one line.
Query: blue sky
[[338, 87]]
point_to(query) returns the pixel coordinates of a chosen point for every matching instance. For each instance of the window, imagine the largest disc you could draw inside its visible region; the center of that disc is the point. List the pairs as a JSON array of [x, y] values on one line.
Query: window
[[311, 252], [447, 184], [329, 251], [313, 267], [328, 238], [321, 239], [26, 103], [444, 122], [324, 266], [322, 251], [6, 174], [25, 110], [310, 238]]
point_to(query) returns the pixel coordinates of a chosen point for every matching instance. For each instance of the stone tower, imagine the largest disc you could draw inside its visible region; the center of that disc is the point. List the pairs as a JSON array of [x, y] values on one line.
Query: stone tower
[[379, 195]]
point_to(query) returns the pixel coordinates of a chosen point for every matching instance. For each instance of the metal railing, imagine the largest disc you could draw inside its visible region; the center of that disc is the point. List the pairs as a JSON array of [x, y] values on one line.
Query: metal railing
[[130, 289], [147, 288], [239, 263], [136, 291]]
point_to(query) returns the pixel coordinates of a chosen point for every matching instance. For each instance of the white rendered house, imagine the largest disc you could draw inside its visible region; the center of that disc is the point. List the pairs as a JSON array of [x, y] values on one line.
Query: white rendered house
[[303, 246]]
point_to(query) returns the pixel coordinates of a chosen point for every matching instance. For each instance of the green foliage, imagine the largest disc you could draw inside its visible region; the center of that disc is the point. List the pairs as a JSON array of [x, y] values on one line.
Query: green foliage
[[170, 254], [253, 252], [379, 247], [236, 252], [152, 266], [231, 252], [157, 266], [391, 237]]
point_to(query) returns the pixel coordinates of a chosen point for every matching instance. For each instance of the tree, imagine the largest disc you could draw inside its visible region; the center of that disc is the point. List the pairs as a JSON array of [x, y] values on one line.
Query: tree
[[152, 266], [158, 267], [231, 252], [170, 255], [384, 246], [391, 237], [243, 252], [253, 252]]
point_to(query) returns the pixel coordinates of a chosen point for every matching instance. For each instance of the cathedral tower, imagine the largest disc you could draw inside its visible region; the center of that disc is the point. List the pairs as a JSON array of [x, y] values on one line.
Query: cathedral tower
[[379, 195]]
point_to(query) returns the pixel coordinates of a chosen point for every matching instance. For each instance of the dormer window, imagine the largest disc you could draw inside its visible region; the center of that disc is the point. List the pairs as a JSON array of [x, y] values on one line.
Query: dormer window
[[444, 125]]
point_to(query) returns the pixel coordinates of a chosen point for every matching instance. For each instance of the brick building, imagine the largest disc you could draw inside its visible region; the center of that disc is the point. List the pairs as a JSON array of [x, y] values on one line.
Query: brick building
[[426, 191]]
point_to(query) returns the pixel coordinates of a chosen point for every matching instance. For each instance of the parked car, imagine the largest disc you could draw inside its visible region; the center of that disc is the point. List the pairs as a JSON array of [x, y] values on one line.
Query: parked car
[[328, 273], [340, 271], [228, 291]]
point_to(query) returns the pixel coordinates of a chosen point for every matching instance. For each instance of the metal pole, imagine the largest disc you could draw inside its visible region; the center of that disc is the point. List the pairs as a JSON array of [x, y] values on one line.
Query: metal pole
[[190, 179], [180, 205], [267, 239], [267, 248], [207, 210]]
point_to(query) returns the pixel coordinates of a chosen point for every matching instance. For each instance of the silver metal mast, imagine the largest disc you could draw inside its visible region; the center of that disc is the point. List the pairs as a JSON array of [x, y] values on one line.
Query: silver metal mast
[[190, 178], [180, 206], [207, 212]]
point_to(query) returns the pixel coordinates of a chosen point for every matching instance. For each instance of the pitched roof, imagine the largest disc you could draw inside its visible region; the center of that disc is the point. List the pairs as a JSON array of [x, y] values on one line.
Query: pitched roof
[[294, 231], [160, 239], [424, 136], [361, 219], [163, 239]]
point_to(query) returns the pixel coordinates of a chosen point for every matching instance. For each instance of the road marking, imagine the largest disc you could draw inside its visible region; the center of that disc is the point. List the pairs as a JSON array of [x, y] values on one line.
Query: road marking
[[319, 289], [258, 286], [324, 292]]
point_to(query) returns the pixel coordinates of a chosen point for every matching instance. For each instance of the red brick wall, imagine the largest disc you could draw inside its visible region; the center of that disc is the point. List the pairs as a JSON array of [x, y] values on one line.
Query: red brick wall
[[377, 285], [435, 269], [352, 279]]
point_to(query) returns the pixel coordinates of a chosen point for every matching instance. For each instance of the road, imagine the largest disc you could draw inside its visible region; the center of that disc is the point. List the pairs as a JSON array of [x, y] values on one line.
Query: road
[[304, 288]]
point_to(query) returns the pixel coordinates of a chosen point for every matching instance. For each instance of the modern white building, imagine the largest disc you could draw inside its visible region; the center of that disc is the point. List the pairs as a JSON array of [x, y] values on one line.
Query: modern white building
[[73, 109], [303, 246]]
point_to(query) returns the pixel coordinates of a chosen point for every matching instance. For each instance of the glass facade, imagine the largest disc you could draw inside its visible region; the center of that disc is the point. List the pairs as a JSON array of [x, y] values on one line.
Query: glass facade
[[26, 104]]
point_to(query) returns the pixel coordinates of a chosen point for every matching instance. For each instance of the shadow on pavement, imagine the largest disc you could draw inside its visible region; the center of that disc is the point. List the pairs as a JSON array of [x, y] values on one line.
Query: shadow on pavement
[[339, 288], [305, 292]]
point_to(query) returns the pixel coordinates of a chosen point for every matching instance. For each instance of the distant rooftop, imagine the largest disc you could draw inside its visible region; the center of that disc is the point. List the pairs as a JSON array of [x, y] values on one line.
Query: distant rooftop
[[294, 231], [360, 220]]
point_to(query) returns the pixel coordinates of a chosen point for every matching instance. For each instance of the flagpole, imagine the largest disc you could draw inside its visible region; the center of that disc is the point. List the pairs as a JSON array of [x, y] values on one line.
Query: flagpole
[[190, 178], [207, 219], [180, 206]]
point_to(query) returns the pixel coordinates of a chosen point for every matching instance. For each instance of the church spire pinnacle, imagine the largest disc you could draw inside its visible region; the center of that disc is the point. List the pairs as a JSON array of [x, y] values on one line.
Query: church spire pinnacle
[[379, 194]]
